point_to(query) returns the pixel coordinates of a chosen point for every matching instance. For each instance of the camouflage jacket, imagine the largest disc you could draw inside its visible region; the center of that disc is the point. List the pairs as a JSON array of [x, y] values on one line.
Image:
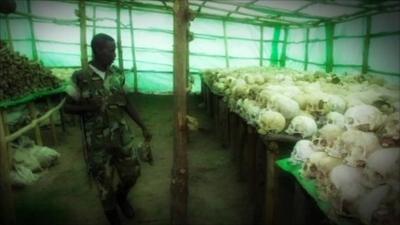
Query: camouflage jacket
[[107, 127]]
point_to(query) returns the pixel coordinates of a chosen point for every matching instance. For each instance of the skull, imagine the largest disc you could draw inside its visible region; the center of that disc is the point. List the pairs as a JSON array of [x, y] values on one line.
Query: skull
[[326, 137], [381, 166], [391, 127], [335, 104], [370, 203], [345, 188], [270, 122], [363, 117], [316, 104], [285, 105], [310, 167], [358, 146], [302, 151], [336, 119], [240, 88], [302, 125], [250, 110], [325, 166]]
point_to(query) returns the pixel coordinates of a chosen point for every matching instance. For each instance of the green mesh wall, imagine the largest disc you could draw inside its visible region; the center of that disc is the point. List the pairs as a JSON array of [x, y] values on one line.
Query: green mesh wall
[[57, 42]]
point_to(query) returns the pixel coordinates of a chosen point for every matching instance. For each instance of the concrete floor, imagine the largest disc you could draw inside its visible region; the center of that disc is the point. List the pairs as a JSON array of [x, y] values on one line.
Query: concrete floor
[[64, 195]]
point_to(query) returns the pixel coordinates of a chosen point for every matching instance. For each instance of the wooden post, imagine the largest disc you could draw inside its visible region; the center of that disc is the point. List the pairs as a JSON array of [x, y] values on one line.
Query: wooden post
[[94, 20], [270, 182], [9, 36], [33, 42], [329, 31], [33, 114], [240, 148], [179, 178], [282, 61], [306, 49], [82, 21], [261, 45], [299, 205], [135, 75], [233, 125], [226, 45], [52, 126], [252, 149], [7, 208], [366, 46], [119, 41]]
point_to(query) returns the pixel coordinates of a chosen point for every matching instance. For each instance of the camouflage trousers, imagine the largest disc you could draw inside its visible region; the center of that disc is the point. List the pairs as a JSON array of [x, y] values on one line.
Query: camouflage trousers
[[111, 168]]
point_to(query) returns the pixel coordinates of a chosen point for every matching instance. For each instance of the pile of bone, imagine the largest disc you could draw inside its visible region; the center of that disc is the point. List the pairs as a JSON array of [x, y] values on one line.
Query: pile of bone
[[19, 76], [28, 160], [354, 166], [277, 100]]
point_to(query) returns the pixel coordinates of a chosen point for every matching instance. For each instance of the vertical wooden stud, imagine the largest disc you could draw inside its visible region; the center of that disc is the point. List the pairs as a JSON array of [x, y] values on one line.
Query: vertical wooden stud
[[132, 30], [33, 39], [367, 40], [179, 178], [261, 63], [7, 208], [33, 114], [82, 22], [226, 44], [306, 49], [52, 125]]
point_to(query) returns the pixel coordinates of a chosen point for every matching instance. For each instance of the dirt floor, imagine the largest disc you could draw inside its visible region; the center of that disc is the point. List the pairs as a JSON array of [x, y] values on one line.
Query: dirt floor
[[64, 195]]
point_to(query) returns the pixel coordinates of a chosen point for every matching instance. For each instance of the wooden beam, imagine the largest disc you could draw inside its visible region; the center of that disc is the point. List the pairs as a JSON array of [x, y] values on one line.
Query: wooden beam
[[7, 208], [306, 49], [367, 39], [52, 124], [82, 23], [329, 31], [94, 20], [33, 114], [33, 39], [119, 40], [133, 50], [261, 45], [9, 36], [226, 45], [179, 178], [282, 61]]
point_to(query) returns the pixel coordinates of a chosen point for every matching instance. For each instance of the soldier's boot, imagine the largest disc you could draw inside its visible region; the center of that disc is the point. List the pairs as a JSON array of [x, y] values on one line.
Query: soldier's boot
[[122, 200], [113, 217]]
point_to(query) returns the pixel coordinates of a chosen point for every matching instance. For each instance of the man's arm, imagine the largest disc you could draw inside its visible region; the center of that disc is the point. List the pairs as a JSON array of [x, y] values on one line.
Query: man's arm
[[132, 112]]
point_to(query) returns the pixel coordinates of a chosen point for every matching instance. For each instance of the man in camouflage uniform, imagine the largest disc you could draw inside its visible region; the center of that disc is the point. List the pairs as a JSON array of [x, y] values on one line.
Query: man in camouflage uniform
[[97, 94]]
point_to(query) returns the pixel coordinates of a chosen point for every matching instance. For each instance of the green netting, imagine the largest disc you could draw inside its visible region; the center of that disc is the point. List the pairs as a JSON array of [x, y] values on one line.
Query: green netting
[[311, 188]]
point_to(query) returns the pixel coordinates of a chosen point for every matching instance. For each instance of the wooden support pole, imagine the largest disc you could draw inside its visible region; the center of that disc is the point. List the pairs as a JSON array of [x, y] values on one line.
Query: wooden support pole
[[52, 125], [9, 35], [261, 45], [329, 31], [7, 208], [270, 182], [33, 114], [179, 178], [119, 40], [251, 148], [82, 22], [367, 40], [135, 75], [241, 138], [94, 20], [282, 61], [306, 49], [226, 45], [33, 39]]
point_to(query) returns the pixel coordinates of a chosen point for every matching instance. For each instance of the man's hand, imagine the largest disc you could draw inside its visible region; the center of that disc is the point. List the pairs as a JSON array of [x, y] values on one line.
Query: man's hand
[[146, 135]]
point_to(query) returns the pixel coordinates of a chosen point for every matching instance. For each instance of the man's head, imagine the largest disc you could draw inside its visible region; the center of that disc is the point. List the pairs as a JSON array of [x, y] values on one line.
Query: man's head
[[103, 48]]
